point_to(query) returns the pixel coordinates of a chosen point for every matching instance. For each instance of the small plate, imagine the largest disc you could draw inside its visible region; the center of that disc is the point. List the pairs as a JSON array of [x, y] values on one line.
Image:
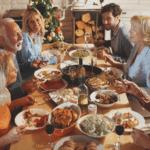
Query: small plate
[[108, 92], [48, 70], [80, 140], [19, 119], [66, 84], [50, 53], [79, 51], [138, 116]]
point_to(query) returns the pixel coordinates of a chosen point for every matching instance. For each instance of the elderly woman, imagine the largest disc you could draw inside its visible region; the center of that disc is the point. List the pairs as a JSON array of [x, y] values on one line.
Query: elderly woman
[[33, 34], [137, 68], [8, 74]]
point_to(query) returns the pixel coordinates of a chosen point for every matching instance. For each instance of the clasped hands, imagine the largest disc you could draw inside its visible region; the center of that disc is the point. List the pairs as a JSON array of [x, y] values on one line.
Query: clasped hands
[[39, 63]]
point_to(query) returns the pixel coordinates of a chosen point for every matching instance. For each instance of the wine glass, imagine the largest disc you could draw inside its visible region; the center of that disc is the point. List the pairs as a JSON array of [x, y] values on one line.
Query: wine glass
[[49, 128], [72, 73], [87, 39], [119, 130]]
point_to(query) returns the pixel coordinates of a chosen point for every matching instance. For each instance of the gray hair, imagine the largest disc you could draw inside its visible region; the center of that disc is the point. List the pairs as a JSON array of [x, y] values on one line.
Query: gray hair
[[3, 22]]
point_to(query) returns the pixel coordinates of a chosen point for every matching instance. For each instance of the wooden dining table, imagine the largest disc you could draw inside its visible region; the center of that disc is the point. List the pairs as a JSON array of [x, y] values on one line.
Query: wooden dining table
[[37, 139]]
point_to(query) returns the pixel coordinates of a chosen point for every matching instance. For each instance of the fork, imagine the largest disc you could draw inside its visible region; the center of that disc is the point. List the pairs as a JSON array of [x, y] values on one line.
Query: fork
[[40, 103]]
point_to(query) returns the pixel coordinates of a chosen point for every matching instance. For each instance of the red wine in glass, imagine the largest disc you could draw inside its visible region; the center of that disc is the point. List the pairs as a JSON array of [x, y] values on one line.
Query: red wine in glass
[[49, 128], [119, 130]]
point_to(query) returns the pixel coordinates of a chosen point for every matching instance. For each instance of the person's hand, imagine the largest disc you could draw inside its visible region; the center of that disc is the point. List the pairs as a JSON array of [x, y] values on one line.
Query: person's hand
[[39, 63], [28, 100], [15, 134], [102, 53], [141, 138], [31, 86]]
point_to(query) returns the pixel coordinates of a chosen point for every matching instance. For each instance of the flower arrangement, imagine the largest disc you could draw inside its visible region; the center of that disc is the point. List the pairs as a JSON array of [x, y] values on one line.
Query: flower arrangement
[[52, 23]]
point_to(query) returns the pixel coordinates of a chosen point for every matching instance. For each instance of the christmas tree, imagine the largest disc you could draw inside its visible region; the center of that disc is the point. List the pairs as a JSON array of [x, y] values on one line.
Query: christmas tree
[[52, 23]]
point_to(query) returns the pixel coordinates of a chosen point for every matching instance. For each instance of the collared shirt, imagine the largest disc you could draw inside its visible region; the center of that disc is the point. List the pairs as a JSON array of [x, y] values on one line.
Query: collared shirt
[[120, 41], [29, 53]]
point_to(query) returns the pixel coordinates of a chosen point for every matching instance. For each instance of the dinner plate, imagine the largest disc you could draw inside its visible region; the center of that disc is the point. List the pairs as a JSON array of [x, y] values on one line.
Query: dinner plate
[[50, 53], [80, 140], [79, 50], [40, 76], [116, 72], [66, 84], [138, 116], [19, 119], [70, 62], [108, 92]]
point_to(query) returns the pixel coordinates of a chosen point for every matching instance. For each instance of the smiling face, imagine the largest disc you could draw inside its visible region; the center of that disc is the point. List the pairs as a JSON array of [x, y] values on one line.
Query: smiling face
[[109, 21], [12, 75], [135, 33], [13, 39], [34, 23]]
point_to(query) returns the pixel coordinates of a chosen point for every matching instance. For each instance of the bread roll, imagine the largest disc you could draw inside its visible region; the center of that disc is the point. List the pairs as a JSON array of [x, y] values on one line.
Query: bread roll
[[94, 28], [79, 32], [80, 24], [92, 22], [86, 17], [101, 35]]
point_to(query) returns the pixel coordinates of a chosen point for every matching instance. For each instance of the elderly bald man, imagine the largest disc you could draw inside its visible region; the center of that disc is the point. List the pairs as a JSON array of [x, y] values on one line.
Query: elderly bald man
[[11, 40]]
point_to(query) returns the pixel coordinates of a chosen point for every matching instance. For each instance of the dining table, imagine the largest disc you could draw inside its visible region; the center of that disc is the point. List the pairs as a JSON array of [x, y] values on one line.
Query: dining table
[[37, 139]]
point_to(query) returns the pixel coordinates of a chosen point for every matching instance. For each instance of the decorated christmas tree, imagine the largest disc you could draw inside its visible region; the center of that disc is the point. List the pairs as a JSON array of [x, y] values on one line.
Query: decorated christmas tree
[[52, 23]]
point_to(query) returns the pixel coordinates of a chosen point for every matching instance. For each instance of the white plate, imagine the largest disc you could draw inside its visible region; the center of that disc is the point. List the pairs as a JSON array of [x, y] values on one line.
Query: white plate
[[70, 62], [107, 119], [73, 51], [44, 69], [108, 92], [50, 53], [116, 72], [66, 84], [19, 120], [80, 140], [139, 117]]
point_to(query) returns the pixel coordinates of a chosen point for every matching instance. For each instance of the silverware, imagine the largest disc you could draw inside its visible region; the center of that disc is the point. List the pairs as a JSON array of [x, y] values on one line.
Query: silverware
[[39, 103]]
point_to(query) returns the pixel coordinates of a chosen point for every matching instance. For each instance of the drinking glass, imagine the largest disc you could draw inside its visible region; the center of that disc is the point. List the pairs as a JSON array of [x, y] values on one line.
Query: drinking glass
[[87, 39], [72, 73], [49, 128], [119, 130]]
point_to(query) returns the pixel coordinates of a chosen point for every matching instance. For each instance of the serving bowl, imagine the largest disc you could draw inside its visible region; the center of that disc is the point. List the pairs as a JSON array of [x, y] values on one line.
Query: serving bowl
[[106, 92], [64, 131], [88, 69], [86, 125]]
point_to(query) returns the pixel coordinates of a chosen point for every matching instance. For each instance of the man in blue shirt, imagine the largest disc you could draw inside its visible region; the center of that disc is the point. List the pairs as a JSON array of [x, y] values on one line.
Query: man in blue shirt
[[120, 37]]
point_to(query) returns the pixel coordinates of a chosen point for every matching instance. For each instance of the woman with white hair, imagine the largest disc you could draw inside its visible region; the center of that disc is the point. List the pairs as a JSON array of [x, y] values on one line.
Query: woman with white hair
[[8, 74], [33, 34]]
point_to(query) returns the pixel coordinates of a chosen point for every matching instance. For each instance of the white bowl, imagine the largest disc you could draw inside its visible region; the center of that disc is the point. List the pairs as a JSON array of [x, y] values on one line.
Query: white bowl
[[108, 92], [76, 109], [73, 51], [107, 120]]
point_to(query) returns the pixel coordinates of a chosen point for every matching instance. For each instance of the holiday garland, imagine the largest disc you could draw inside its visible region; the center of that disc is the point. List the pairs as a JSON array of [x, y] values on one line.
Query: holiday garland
[[52, 23]]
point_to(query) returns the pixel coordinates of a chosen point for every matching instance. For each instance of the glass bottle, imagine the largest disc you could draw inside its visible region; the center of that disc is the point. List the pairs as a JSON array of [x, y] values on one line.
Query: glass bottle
[[80, 71], [83, 96]]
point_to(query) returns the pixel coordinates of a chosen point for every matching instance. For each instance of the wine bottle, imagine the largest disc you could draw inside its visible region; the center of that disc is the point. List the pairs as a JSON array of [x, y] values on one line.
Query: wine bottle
[[83, 96], [80, 71]]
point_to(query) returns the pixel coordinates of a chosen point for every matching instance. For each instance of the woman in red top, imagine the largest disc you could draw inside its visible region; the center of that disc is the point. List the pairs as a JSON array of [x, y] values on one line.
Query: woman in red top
[[8, 74]]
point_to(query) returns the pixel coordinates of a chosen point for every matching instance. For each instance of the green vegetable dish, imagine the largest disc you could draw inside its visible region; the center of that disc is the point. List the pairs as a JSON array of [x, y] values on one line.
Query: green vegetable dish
[[80, 53], [97, 125]]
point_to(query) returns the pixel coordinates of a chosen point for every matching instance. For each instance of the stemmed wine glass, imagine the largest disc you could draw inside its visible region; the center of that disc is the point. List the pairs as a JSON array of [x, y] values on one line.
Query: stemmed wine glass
[[49, 128], [72, 73], [119, 130], [87, 39]]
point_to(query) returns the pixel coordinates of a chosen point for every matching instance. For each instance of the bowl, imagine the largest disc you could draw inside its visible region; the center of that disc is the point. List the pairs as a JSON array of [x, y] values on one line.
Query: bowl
[[90, 120], [64, 131], [79, 53], [102, 87], [88, 68], [107, 92]]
